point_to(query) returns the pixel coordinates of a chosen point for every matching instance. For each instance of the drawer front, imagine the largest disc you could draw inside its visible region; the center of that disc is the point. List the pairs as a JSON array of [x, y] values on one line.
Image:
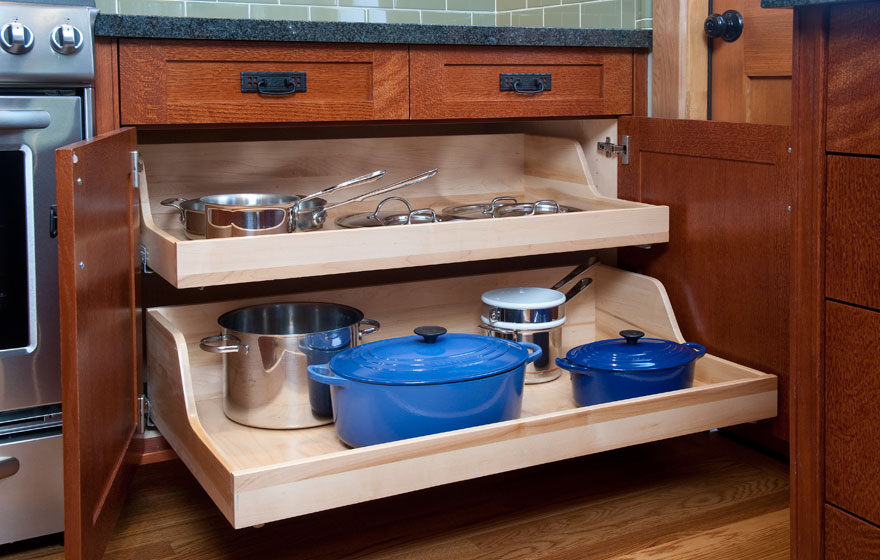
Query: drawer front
[[852, 261], [852, 390], [193, 82], [466, 82], [853, 124], [849, 538]]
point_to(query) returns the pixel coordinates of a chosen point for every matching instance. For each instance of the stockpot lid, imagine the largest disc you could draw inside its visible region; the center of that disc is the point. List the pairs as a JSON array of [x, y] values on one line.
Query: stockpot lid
[[431, 357], [634, 353]]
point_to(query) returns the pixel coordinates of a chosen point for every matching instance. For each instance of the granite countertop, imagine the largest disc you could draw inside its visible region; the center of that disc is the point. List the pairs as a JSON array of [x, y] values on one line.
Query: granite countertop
[[154, 27]]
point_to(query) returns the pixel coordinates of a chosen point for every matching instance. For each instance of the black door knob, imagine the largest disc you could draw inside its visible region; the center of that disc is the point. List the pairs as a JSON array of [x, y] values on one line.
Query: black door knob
[[728, 26]]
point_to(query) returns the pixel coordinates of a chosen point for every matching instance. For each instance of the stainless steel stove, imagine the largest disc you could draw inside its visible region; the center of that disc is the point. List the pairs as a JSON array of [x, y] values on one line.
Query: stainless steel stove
[[47, 72]]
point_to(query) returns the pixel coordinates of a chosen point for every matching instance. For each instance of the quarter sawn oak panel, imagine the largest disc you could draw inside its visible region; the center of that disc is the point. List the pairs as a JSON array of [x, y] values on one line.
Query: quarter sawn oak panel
[[849, 538], [199, 82], [464, 82], [852, 385]]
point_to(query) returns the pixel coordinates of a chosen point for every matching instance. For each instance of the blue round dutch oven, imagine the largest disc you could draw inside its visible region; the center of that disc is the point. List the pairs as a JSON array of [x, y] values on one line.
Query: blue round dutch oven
[[425, 384], [628, 367]]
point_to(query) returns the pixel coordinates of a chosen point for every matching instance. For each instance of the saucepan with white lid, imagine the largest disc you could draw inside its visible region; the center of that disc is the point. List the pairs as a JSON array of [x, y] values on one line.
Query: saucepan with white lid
[[535, 315]]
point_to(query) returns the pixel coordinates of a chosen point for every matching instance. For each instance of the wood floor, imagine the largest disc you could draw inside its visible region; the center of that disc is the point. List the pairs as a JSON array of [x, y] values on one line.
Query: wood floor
[[696, 497]]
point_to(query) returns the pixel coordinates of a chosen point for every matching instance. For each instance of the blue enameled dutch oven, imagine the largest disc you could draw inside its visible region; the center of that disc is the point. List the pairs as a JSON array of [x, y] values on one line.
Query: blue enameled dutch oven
[[418, 385], [628, 367]]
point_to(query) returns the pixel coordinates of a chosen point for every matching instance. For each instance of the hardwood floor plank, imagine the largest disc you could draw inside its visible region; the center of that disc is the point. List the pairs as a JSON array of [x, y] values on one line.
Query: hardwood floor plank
[[700, 496]]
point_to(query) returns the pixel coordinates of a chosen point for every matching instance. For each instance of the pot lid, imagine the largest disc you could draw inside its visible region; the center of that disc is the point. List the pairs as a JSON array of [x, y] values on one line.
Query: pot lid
[[523, 298], [431, 357], [634, 353]]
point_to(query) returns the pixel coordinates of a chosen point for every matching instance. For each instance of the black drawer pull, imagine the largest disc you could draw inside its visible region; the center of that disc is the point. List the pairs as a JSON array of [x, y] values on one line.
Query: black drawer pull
[[526, 83], [273, 83]]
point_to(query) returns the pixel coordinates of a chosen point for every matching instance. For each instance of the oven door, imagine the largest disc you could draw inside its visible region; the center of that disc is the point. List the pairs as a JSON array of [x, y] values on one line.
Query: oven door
[[31, 128]]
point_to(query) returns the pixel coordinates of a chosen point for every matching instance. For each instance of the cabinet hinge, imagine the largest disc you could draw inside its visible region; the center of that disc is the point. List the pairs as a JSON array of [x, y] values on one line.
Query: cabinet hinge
[[145, 255], [622, 149], [143, 417], [136, 167]]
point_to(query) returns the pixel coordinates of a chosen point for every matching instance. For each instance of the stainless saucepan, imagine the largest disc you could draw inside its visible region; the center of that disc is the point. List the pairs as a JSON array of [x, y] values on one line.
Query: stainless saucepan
[[192, 215]]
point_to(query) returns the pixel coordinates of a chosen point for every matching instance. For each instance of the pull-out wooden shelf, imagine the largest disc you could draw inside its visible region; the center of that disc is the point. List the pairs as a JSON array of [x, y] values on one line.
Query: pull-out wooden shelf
[[255, 476], [471, 169]]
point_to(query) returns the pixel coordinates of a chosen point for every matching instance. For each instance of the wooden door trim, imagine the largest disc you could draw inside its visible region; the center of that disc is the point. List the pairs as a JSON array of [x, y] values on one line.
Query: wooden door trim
[[680, 57], [809, 67]]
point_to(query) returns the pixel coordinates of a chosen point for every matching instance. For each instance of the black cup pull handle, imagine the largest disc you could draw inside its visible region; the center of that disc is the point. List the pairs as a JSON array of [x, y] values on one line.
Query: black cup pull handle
[[539, 89], [273, 83]]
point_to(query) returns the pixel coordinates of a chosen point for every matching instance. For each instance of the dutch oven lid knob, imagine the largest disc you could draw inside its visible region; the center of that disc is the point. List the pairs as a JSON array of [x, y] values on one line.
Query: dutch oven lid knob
[[430, 334], [632, 337]]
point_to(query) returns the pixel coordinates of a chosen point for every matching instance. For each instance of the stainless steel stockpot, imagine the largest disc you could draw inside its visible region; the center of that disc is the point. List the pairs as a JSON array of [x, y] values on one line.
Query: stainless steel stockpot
[[266, 350]]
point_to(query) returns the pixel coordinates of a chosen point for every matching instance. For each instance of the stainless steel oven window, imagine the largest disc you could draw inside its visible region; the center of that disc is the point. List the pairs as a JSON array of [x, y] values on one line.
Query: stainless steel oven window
[[18, 305]]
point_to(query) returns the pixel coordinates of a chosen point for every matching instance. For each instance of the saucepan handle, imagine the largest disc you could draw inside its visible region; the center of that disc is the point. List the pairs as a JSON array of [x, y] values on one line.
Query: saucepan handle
[[215, 344], [372, 326], [175, 203], [322, 374]]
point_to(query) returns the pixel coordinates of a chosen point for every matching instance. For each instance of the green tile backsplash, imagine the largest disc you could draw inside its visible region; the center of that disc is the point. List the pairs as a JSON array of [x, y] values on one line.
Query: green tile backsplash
[[623, 14]]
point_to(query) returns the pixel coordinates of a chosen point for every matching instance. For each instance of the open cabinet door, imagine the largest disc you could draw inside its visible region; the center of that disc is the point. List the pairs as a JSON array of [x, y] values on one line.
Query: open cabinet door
[[96, 237], [726, 267]]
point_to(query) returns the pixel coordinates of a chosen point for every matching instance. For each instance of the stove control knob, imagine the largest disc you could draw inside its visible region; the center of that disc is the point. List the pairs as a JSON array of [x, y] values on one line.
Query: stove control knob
[[16, 38], [66, 39]]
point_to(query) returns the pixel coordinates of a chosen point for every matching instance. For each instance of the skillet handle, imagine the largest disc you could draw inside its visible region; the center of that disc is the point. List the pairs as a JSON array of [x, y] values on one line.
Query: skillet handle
[[373, 327], [322, 374], [535, 351]]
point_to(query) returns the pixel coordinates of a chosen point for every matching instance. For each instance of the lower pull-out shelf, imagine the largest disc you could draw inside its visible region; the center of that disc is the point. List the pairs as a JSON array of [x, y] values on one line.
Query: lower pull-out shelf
[[255, 475]]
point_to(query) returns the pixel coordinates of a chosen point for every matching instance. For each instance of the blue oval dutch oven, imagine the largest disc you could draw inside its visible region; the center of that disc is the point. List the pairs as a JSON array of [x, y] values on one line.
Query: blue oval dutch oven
[[425, 384], [628, 367]]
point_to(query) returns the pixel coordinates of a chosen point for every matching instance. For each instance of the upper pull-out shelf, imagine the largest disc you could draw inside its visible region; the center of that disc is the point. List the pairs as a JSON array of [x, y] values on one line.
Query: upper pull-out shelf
[[472, 169]]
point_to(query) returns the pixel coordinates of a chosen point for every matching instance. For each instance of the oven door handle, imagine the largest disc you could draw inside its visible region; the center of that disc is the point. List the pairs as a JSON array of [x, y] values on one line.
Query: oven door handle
[[8, 466], [23, 120]]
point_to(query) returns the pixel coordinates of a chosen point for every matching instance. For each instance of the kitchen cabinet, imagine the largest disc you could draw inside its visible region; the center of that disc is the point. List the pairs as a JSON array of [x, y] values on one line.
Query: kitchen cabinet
[[256, 476], [836, 270]]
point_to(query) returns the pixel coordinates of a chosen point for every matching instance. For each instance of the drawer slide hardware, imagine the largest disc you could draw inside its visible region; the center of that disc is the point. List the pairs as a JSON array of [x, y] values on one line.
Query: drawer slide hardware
[[622, 149], [273, 83], [526, 83], [145, 255], [143, 418]]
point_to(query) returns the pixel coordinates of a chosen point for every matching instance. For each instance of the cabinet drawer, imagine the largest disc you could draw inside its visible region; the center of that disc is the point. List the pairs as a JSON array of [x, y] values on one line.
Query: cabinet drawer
[[852, 388], [196, 82], [465, 82], [256, 476], [853, 122], [849, 538], [852, 260]]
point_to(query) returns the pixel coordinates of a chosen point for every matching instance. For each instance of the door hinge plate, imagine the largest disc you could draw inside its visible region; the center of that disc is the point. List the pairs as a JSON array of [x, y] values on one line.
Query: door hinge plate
[[622, 149], [136, 167], [143, 416]]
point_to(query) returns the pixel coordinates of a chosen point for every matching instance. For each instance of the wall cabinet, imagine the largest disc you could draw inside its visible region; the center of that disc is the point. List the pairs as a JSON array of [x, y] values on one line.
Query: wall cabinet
[[256, 476]]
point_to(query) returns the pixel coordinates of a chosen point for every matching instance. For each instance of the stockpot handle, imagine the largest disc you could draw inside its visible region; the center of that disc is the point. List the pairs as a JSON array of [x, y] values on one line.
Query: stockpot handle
[[209, 344], [175, 203], [372, 327], [493, 328], [535, 351], [322, 374]]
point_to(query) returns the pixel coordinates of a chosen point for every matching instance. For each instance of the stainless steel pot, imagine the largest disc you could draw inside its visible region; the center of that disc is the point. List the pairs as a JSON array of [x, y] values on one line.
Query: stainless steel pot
[[266, 350], [192, 215], [535, 315], [248, 214]]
